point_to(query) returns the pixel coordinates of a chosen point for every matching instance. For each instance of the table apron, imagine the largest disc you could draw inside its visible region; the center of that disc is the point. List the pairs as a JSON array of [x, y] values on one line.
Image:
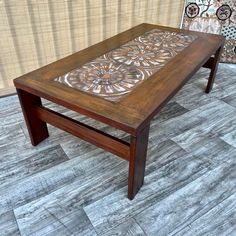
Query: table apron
[[83, 131]]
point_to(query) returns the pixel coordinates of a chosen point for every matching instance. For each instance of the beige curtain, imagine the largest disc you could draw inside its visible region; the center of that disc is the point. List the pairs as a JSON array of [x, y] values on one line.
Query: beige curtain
[[37, 32]]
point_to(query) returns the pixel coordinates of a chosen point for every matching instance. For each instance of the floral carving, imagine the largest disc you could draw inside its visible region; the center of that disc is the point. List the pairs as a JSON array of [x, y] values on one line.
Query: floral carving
[[103, 78], [140, 56]]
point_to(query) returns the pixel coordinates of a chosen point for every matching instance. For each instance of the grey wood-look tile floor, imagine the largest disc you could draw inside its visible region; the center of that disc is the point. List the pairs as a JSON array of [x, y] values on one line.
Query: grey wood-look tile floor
[[65, 186]]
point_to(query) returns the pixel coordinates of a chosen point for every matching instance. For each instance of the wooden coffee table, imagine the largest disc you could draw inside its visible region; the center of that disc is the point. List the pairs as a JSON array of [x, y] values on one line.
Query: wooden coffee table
[[123, 82]]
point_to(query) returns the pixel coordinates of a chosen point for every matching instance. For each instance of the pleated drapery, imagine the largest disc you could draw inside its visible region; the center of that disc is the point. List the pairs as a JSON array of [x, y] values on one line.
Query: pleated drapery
[[35, 33]]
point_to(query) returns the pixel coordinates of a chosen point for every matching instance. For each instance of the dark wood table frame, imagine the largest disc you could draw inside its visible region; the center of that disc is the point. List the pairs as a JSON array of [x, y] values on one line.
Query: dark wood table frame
[[132, 114]]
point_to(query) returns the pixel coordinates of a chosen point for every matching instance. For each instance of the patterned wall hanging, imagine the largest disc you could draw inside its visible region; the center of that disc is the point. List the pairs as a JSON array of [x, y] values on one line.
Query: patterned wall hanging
[[213, 16]]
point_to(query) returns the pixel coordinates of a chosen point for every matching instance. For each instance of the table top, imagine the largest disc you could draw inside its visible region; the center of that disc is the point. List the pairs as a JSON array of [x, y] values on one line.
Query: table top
[[125, 80]]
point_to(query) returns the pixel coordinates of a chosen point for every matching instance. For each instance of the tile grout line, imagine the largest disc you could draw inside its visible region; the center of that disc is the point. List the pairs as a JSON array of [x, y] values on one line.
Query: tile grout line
[[140, 226], [16, 221]]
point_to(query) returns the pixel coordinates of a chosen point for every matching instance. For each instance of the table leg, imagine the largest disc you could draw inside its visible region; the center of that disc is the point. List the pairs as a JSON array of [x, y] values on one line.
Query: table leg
[[213, 70], [138, 153], [37, 129]]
